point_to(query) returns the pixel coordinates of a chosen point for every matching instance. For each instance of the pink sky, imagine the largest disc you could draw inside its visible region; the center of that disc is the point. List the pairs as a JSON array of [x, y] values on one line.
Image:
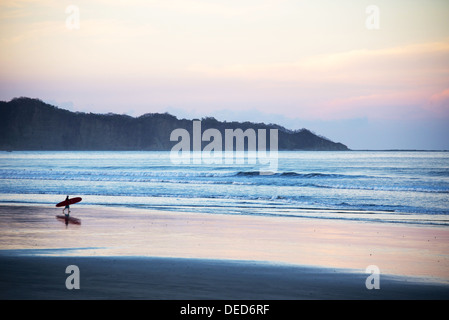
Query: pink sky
[[306, 64]]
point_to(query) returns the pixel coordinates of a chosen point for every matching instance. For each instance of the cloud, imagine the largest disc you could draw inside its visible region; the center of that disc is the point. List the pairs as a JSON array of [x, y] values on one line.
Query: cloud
[[439, 103], [355, 64], [357, 82], [207, 55], [227, 8]]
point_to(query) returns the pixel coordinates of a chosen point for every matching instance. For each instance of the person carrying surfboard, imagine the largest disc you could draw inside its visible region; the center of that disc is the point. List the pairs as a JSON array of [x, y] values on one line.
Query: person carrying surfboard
[[67, 206]]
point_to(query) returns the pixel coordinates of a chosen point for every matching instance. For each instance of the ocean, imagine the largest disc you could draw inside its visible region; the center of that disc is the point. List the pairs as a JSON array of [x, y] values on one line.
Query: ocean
[[382, 186]]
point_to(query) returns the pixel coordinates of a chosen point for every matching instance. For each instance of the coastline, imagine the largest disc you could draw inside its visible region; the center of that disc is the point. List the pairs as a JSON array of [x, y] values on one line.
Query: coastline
[[146, 254]]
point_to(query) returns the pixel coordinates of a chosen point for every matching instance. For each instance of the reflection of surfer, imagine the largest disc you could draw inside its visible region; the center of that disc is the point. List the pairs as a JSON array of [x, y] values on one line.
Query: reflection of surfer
[[67, 206]]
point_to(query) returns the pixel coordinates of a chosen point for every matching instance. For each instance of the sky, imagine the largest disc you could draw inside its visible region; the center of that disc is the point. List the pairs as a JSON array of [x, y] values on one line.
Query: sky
[[370, 74]]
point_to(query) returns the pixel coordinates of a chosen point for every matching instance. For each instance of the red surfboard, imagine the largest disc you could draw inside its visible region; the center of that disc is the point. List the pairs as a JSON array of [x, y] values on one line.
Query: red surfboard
[[68, 202]]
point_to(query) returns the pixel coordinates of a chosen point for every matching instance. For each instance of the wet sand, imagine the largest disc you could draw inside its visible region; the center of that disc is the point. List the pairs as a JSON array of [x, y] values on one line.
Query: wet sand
[[144, 254], [36, 277]]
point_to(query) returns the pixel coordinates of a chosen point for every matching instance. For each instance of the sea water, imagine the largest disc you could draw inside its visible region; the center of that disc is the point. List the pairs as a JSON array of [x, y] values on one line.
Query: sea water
[[385, 186]]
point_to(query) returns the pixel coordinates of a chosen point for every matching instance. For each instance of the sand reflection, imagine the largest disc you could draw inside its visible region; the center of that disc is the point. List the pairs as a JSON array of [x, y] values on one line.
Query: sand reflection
[[394, 248]]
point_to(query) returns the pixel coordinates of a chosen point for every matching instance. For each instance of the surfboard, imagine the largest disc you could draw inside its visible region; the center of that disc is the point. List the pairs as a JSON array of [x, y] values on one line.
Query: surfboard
[[68, 202], [68, 220]]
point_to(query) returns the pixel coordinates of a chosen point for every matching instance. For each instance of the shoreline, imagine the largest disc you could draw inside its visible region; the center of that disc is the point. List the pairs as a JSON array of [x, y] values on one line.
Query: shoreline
[[278, 257], [313, 213]]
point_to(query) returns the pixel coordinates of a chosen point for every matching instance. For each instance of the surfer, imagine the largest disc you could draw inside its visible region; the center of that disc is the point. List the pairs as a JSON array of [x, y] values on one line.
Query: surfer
[[67, 206]]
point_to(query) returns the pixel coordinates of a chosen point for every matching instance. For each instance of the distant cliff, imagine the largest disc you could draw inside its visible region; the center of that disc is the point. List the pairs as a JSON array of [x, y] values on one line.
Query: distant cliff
[[30, 124]]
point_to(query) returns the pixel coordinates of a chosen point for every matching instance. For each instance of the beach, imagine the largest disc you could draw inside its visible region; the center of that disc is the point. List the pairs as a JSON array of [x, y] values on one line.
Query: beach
[[128, 253], [36, 277], [224, 150]]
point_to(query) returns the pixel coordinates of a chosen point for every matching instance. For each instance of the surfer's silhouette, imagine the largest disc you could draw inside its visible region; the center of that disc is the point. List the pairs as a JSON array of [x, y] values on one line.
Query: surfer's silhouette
[[67, 206], [66, 215]]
